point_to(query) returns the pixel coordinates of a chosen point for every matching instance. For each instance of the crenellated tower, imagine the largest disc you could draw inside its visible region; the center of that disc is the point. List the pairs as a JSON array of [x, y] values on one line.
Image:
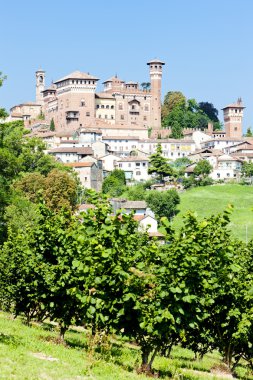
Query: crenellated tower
[[233, 114]]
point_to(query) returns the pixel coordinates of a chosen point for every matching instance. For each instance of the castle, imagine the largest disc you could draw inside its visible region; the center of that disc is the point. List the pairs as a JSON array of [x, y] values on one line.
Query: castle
[[72, 102]]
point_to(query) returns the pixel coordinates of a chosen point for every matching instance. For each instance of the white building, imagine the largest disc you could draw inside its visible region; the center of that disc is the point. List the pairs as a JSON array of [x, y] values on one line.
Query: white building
[[135, 168]]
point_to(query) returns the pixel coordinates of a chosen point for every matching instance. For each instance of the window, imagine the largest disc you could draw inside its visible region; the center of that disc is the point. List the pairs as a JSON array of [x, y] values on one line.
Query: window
[[112, 107], [138, 164], [105, 116], [102, 106], [138, 173], [145, 118], [85, 178], [83, 103], [107, 106], [129, 165], [120, 106], [146, 107], [87, 113], [122, 117], [120, 165], [97, 105], [144, 164], [112, 117]]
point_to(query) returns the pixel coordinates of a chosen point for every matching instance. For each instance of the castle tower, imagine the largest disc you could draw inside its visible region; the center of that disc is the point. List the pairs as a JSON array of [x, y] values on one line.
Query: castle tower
[[155, 71], [233, 114], [40, 86]]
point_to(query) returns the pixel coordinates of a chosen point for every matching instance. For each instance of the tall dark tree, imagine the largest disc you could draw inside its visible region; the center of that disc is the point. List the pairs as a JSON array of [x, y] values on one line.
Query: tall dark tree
[[159, 165]]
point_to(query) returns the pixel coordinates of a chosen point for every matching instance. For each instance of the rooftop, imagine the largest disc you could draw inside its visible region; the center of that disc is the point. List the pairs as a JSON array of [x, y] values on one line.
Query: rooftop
[[77, 75], [83, 150]]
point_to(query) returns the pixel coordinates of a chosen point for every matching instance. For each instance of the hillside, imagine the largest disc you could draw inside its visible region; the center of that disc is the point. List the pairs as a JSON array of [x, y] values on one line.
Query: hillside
[[213, 199], [33, 353]]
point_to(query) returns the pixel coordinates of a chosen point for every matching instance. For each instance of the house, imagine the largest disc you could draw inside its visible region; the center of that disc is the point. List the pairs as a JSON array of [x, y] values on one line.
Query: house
[[135, 168], [70, 154], [137, 207], [89, 173], [109, 162], [121, 145], [227, 168]]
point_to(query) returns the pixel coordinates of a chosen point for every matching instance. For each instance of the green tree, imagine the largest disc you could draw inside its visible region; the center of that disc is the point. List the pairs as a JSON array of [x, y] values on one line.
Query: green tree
[[249, 132], [159, 165], [164, 203], [203, 168], [171, 100], [52, 125], [209, 110], [114, 183], [61, 190]]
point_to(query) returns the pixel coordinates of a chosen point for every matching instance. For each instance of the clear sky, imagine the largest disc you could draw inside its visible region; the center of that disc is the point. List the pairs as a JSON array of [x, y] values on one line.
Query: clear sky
[[206, 44]]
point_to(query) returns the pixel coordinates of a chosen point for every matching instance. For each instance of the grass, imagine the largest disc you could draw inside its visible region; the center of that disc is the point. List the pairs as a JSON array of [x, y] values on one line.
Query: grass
[[32, 353], [214, 199]]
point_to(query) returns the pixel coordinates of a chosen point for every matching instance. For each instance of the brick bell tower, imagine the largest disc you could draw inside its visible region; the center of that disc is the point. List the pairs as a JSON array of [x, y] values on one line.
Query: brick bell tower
[[233, 114], [155, 71]]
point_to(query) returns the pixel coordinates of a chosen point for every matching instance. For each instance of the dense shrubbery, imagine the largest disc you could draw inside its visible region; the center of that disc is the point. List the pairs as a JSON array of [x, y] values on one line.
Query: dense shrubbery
[[99, 271]]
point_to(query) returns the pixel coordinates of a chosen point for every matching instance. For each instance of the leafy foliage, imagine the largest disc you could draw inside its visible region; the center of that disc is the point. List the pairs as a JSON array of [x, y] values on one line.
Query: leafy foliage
[[114, 183], [163, 203], [159, 165]]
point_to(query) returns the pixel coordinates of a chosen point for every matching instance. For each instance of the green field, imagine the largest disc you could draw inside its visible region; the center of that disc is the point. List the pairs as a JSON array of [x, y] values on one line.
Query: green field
[[214, 199], [33, 353]]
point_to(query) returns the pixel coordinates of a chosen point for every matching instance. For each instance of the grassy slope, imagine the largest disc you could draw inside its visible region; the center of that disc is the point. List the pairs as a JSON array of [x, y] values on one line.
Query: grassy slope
[[213, 199], [20, 347]]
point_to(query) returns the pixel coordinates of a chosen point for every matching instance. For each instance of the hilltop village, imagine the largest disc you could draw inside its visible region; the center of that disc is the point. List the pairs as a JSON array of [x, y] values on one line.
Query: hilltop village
[[120, 127]]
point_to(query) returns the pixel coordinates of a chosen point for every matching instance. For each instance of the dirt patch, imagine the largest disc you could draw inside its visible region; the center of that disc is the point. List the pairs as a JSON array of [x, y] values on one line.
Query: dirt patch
[[40, 355]]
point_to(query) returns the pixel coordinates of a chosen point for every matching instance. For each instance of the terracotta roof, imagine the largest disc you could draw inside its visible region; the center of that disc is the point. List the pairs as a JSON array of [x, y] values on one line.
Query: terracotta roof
[[134, 158], [82, 150], [79, 164], [120, 138], [244, 147], [69, 141], [114, 79], [138, 218], [234, 105], [223, 139], [77, 75], [134, 205], [226, 157], [157, 141], [103, 125], [65, 133]]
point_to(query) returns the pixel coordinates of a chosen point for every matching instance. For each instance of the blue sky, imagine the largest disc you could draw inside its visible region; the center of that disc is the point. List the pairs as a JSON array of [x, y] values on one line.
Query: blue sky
[[207, 45]]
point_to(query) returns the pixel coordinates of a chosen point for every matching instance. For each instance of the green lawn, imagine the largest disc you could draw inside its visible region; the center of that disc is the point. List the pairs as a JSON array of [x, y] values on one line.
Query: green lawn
[[214, 199], [32, 353]]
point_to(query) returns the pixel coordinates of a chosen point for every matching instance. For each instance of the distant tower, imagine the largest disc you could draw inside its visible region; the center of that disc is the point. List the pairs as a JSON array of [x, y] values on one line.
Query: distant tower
[[233, 114], [155, 71], [40, 86]]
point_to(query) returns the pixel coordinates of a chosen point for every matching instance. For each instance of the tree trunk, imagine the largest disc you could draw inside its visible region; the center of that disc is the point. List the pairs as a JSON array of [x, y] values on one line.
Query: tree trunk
[[63, 330], [145, 366]]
